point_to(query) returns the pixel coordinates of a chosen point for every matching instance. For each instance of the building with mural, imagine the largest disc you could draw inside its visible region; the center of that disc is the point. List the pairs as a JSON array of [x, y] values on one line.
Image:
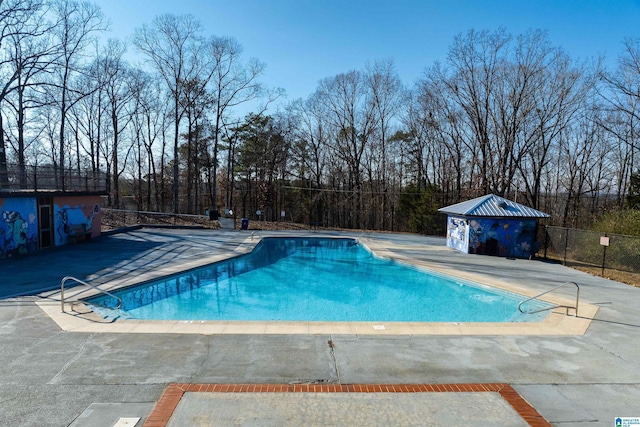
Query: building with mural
[[34, 218], [492, 225]]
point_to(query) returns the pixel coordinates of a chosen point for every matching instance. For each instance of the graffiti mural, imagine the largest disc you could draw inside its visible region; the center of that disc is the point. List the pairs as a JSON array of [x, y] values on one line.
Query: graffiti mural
[[75, 218], [502, 237], [457, 234], [18, 227]]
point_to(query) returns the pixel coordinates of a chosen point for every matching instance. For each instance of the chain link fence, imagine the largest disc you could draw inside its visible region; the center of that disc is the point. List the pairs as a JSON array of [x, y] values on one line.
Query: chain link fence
[[14, 177], [117, 218], [610, 255]]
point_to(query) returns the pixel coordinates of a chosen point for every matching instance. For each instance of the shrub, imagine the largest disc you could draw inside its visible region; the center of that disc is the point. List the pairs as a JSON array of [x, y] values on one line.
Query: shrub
[[619, 222], [421, 210]]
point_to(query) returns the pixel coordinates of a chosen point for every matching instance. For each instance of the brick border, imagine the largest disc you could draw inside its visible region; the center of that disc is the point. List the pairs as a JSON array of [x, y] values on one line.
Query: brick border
[[172, 395]]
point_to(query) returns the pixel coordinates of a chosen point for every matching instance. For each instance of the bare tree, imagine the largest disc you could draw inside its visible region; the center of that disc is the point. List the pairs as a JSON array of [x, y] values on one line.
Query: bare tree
[[18, 30], [583, 152], [561, 90], [90, 112], [232, 83], [623, 127], [77, 24], [441, 136], [172, 44], [477, 60], [196, 101], [386, 94], [351, 118], [311, 150], [119, 87], [32, 57], [149, 111], [621, 93], [622, 89]]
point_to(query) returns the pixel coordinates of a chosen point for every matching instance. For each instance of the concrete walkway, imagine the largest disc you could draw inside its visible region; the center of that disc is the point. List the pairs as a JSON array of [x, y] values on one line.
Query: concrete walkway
[[50, 377]]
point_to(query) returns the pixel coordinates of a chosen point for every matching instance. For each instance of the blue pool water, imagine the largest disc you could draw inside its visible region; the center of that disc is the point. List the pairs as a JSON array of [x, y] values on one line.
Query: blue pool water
[[317, 279]]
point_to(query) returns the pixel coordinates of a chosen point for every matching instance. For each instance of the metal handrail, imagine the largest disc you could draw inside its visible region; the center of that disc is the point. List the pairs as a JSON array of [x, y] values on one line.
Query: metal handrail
[[567, 307], [67, 278]]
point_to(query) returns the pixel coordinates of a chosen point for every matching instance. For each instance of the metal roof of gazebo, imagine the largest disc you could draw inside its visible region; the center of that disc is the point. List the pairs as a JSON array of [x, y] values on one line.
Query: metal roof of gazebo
[[493, 206]]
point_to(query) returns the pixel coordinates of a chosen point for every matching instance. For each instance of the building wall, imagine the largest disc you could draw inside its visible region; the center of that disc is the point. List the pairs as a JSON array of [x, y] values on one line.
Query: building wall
[[18, 226], [73, 217], [502, 237], [457, 233]]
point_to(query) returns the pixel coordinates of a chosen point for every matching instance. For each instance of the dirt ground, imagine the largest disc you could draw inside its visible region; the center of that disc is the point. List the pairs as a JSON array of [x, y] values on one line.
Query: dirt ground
[[627, 277]]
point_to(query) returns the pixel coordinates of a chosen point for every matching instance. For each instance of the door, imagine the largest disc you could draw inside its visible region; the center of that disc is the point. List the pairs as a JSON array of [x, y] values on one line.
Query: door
[[45, 223]]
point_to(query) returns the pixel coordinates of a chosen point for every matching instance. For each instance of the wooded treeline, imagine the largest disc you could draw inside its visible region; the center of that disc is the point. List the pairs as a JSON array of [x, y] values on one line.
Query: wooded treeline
[[507, 114]]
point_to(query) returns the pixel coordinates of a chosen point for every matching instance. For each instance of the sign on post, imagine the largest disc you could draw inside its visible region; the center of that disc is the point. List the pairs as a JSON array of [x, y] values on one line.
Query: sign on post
[[604, 241]]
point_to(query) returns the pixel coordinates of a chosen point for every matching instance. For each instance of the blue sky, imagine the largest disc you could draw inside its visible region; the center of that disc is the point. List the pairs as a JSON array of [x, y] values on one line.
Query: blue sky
[[303, 41]]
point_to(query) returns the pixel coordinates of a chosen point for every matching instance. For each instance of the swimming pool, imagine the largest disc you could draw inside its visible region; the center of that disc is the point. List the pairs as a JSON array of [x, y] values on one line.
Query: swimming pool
[[316, 279]]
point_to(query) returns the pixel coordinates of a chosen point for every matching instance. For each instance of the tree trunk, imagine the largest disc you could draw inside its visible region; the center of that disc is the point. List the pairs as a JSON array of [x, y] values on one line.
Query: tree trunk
[[4, 175]]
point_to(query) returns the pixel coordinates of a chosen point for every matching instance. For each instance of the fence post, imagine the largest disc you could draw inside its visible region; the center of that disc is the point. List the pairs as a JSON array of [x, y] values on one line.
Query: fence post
[[566, 243], [604, 254], [546, 240]]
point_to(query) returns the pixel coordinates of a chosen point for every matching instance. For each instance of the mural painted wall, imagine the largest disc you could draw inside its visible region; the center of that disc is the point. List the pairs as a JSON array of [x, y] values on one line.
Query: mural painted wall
[[75, 217], [502, 237], [18, 226], [457, 234]]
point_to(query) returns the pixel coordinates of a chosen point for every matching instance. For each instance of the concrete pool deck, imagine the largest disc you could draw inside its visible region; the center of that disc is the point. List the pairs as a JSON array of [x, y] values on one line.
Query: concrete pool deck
[[56, 377], [77, 317]]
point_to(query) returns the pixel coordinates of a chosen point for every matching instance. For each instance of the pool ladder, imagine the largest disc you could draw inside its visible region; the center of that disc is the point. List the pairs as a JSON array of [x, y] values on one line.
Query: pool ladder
[[567, 307], [73, 279]]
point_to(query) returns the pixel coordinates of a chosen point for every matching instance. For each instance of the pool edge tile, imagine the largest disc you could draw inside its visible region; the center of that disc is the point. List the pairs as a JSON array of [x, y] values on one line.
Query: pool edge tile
[[294, 328]]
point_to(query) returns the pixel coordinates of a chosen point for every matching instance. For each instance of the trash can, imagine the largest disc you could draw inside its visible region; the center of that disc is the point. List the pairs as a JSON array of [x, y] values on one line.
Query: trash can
[[244, 223]]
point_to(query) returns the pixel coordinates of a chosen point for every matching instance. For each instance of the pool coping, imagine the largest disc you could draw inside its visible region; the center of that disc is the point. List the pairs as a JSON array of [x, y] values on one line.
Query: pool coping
[[80, 318]]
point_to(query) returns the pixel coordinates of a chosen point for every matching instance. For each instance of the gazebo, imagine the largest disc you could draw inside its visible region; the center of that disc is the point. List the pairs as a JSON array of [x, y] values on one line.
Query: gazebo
[[492, 225]]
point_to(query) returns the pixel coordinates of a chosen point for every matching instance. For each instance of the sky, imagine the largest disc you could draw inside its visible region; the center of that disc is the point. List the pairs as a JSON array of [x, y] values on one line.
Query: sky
[[304, 41]]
